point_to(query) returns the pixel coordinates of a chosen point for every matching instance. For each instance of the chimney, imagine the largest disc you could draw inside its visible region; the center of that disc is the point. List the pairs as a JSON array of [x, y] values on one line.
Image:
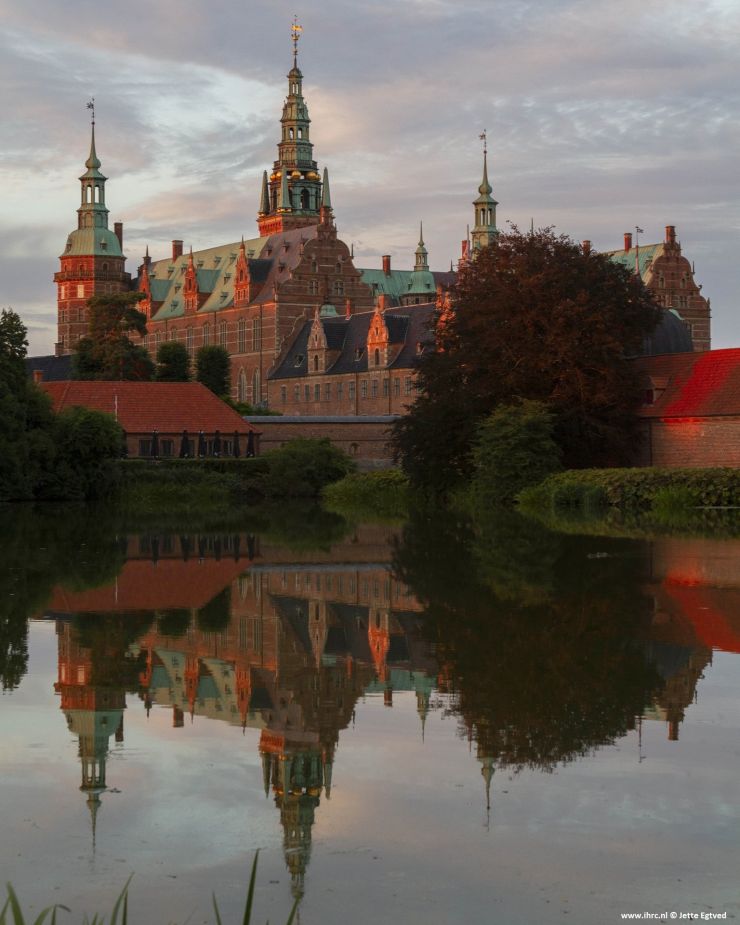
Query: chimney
[[586, 245], [38, 375], [118, 231], [628, 240], [58, 349], [387, 264], [670, 234], [176, 249], [347, 308], [382, 302]]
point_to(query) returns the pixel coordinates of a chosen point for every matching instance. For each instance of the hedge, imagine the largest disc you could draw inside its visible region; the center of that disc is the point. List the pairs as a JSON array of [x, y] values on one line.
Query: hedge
[[634, 489]]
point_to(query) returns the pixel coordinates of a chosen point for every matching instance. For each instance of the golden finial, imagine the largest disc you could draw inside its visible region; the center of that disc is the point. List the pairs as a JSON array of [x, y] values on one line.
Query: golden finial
[[295, 32]]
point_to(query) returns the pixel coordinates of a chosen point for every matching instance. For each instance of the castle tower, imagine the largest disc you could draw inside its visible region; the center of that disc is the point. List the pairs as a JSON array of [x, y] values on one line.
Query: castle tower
[[291, 197], [93, 261], [484, 231]]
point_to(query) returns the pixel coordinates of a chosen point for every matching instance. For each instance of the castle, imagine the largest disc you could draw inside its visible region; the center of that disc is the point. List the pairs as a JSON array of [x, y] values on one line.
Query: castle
[[308, 332]]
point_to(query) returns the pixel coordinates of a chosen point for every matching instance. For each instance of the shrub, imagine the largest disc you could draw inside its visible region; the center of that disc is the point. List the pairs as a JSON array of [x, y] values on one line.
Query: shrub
[[384, 493], [514, 449], [301, 468], [637, 489]]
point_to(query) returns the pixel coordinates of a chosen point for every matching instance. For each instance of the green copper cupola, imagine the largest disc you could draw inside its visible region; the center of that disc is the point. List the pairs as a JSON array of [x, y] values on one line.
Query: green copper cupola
[[92, 212]]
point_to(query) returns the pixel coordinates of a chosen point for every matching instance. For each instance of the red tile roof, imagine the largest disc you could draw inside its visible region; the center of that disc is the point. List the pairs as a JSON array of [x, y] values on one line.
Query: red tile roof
[[696, 384], [168, 407]]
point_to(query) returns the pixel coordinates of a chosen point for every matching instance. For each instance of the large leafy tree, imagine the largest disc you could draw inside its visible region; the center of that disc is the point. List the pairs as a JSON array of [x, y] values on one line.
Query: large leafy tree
[[533, 317], [109, 351], [26, 420], [173, 362], [213, 369]]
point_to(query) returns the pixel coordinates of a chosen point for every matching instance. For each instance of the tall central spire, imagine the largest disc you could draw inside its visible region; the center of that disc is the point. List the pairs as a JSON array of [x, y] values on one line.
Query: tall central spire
[[295, 172]]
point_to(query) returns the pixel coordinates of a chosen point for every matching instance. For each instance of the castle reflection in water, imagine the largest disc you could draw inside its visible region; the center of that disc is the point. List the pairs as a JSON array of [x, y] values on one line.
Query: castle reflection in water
[[235, 629]]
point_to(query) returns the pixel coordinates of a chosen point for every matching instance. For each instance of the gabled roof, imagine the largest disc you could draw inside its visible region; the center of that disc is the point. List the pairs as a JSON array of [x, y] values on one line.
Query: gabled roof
[[270, 262], [143, 407], [407, 327], [647, 254], [696, 384]]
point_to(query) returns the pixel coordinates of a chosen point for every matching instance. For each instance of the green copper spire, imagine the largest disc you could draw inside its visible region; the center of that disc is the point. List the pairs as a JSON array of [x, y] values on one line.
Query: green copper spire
[[92, 212], [485, 231], [265, 196], [422, 257], [325, 191]]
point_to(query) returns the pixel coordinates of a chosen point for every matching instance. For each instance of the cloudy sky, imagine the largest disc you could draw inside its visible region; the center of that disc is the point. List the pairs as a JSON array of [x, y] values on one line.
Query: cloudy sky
[[601, 116]]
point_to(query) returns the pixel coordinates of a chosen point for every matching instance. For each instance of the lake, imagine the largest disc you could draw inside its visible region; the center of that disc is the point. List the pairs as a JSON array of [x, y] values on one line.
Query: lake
[[424, 722]]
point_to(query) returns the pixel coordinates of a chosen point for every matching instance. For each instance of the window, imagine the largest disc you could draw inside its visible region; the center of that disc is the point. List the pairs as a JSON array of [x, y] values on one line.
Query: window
[[242, 386], [407, 385], [338, 287], [189, 339], [80, 291], [327, 392], [242, 337], [317, 392], [296, 393], [307, 392], [376, 357], [172, 335], [256, 334], [313, 287], [396, 387], [386, 389], [375, 388], [206, 335], [316, 363], [340, 390], [351, 390], [166, 447], [354, 449], [283, 394], [222, 334], [158, 338], [256, 388], [364, 388]]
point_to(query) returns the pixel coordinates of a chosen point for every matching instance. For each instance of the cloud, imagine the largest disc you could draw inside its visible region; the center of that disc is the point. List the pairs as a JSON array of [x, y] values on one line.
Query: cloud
[[599, 116]]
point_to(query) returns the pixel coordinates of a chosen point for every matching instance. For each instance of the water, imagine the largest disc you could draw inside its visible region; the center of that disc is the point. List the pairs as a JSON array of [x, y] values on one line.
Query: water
[[430, 723]]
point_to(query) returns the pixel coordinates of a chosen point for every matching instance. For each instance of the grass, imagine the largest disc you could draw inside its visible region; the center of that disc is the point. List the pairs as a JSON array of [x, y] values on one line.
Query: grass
[[12, 914]]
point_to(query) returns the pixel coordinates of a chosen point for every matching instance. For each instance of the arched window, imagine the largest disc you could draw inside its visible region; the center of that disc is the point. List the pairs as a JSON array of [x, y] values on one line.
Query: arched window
[[206, 335], [242, 345], [304, 200], [314, 265], [256, 391], [316, 363], [377, 357], [242, 387], [290, 133], [105, 268]]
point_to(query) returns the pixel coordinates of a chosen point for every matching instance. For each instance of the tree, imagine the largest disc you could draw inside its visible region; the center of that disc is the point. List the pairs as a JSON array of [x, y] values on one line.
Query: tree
[[108, 351], [213, 369], [88, 443], [514, 449], [173, 362], [26, 420], [533, 317]]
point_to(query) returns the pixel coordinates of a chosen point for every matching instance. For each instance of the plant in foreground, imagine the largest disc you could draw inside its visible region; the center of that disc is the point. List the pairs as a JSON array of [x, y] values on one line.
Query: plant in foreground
[[12, 914]]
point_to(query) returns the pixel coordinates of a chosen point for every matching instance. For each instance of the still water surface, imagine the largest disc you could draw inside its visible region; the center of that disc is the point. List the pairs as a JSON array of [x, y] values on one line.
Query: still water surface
[[418, 724]]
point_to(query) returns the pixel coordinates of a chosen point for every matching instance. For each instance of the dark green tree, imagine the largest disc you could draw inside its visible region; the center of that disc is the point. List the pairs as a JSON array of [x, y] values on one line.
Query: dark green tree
[[213, 369], [109, 351], [514, 448], [173, 362], [301, 468], [533, 317], [26, 420]]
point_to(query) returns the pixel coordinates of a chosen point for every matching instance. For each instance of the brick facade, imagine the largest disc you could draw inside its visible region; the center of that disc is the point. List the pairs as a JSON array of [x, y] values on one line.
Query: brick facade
[[365, 438]]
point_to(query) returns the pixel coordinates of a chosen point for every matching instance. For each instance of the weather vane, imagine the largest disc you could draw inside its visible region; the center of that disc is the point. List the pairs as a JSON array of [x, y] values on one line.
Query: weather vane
[[91, 105], [295, 31], [484, 138]]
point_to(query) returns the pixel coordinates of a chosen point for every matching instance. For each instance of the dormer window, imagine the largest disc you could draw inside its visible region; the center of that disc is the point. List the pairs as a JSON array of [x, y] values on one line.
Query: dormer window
[[299, 360], [358, 353]]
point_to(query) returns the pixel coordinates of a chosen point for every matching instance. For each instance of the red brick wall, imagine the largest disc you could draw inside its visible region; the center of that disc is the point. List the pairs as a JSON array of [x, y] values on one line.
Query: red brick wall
[[696, 442], [368, 442], [79, 279], [373, 392]]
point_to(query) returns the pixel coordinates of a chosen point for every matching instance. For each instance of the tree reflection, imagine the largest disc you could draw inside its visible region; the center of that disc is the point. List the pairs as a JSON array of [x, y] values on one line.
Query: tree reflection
[[538, 637]]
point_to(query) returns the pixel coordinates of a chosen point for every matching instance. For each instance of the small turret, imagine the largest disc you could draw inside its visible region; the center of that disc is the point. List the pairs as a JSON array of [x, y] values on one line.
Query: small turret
[[484, 231]]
